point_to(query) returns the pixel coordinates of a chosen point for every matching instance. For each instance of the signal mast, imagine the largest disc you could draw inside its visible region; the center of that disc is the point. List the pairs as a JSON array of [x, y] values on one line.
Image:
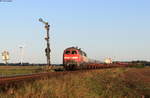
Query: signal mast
[[47, 50]]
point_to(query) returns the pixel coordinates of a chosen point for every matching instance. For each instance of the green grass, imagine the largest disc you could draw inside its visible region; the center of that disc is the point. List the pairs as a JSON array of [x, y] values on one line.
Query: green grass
[[15, 70], [104, 83]]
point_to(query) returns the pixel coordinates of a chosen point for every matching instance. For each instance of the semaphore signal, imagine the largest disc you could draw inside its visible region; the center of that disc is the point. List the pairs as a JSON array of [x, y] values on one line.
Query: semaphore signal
[[47, 38]]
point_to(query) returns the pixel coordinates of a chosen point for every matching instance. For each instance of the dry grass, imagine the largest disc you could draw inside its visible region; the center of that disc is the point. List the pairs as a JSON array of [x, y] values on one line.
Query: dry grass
[[105, 83]]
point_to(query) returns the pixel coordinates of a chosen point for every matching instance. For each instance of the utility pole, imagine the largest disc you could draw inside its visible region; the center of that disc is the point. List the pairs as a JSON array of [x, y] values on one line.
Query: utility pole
[[21, 55], [47, 38]]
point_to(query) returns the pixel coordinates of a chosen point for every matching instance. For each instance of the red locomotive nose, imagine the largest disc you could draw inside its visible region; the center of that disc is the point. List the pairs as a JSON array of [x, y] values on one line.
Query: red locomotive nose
[[73, 57]]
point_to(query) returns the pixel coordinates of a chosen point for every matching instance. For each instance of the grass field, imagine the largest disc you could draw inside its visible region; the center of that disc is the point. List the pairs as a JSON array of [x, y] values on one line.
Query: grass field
[[15, 70], [103, 83]]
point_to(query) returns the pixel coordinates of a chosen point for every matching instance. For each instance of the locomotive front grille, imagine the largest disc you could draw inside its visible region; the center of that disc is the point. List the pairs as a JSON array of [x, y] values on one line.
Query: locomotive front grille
[[70, 62]]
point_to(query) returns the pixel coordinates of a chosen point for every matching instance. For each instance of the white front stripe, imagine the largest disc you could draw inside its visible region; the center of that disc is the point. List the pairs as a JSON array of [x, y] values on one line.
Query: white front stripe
[[74, 57], [71, 57], [66, 57]]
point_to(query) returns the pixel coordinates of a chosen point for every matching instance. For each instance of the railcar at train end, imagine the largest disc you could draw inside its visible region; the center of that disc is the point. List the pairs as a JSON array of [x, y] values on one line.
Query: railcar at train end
[[74, 58]]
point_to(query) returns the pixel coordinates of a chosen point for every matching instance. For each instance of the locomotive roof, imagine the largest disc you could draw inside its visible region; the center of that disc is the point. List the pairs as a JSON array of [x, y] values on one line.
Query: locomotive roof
[[76, 48]]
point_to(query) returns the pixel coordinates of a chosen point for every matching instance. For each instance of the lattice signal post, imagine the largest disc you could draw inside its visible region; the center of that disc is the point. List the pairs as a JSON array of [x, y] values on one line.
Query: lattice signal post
[[47, 38]]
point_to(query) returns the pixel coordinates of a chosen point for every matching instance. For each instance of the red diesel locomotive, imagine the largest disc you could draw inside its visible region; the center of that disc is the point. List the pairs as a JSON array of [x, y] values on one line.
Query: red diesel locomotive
[[74, 58]]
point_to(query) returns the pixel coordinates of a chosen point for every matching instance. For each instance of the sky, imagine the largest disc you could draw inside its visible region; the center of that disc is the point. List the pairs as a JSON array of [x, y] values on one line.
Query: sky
[[118, 29]]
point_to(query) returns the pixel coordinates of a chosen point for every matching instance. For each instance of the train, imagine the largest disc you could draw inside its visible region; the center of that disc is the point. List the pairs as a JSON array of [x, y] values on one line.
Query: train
[[74, 58]]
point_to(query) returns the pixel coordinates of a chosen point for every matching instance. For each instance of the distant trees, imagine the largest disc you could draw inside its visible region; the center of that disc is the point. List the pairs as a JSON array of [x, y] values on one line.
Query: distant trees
[[138, 62]]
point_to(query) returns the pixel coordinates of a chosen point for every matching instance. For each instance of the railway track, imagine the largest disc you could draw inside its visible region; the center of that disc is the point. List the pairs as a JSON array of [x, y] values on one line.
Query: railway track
[[17, 81], [5, 79]]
